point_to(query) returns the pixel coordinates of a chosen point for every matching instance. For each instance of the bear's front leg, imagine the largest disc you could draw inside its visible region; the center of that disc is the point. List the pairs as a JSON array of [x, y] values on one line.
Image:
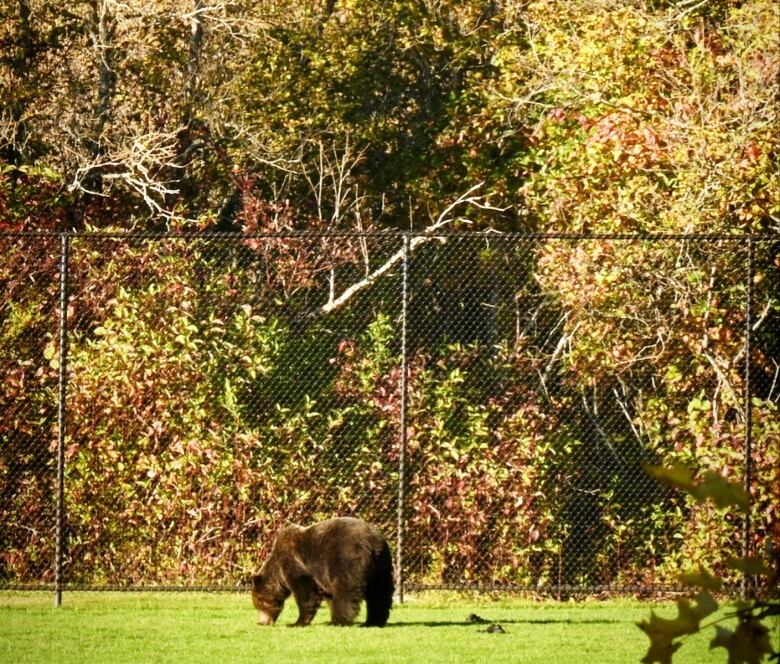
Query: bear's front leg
[[308, 597]]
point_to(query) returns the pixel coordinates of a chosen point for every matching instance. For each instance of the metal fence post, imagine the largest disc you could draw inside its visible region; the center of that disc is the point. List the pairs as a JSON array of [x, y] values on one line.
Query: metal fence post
[[63, 358], [748, 457], [403, 387]]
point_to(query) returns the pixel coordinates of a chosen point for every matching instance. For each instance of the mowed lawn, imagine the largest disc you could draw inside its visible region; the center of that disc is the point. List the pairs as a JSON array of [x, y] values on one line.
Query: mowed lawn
[[204, 627]]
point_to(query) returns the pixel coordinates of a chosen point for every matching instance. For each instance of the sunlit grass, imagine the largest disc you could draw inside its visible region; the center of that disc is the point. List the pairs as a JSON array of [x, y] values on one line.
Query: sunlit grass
[[197, 627]]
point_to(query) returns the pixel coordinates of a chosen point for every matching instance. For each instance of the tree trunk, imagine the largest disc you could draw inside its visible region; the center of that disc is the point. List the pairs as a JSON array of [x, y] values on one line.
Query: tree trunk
[[188, 138], [102, 30], [21, 64]]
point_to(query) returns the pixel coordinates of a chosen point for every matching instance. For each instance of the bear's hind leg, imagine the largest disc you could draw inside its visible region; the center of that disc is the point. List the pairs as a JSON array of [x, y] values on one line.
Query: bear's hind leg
[[377, 611], [343, 609], [379, 588]]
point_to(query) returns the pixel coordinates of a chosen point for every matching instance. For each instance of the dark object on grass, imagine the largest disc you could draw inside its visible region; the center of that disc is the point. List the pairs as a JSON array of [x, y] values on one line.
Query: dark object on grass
[[341, 560], [495, 629], [474, 619]]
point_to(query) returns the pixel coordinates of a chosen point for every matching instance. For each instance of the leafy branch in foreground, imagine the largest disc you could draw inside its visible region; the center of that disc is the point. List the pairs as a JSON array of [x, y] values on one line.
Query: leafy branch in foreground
[[749, 642]]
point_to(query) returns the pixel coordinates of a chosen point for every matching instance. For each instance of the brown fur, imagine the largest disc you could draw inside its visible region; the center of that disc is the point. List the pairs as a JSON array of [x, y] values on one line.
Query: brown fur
[[342, 561]]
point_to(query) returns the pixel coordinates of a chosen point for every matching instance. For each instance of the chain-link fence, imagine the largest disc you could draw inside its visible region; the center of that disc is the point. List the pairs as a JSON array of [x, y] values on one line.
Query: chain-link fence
[[170, 401]]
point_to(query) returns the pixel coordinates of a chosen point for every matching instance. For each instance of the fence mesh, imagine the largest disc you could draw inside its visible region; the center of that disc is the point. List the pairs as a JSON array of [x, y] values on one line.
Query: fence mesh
[[219, 387]]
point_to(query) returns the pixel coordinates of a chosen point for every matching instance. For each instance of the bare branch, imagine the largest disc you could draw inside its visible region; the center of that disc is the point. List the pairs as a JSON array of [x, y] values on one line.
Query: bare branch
[[137, 165], [629, 419], [445, 217]]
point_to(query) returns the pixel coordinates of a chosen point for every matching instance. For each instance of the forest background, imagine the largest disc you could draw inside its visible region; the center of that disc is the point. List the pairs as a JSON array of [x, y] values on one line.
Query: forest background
[[562, 116], [629, 117]]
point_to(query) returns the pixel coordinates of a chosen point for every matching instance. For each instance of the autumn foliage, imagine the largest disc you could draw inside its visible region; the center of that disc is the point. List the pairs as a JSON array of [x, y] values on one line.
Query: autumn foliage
[[216, 390]]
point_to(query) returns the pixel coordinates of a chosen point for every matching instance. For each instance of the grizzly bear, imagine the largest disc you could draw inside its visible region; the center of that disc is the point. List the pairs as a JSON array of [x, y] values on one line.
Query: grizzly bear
[[342, 561]]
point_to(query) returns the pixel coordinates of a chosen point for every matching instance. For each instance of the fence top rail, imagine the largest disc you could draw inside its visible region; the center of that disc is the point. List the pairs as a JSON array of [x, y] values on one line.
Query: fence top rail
[[487, 234]]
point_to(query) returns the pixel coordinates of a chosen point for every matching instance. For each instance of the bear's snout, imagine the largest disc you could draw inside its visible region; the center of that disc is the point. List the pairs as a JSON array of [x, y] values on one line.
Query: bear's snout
[[265, 618]]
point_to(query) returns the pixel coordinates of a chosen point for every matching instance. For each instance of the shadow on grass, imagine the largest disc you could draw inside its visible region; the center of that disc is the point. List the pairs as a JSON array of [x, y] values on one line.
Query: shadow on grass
[[511, 621]]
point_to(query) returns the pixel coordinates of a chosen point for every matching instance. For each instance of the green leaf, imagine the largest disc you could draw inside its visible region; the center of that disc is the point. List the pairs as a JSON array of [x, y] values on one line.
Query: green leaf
[[706, 605], [663, 631], [673, 374], [678, 475], [721, 491], [712, 486], [722, 637], [747, 644], [661, 636], [753, 566], [231, 403], [701, 578], [767, 609]]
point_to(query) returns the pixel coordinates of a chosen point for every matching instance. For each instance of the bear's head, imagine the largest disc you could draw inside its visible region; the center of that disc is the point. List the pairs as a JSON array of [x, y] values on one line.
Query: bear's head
[[268, 596]]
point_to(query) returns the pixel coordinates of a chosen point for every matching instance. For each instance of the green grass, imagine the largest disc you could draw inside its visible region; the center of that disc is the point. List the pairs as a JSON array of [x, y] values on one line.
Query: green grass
[[197, 627]]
